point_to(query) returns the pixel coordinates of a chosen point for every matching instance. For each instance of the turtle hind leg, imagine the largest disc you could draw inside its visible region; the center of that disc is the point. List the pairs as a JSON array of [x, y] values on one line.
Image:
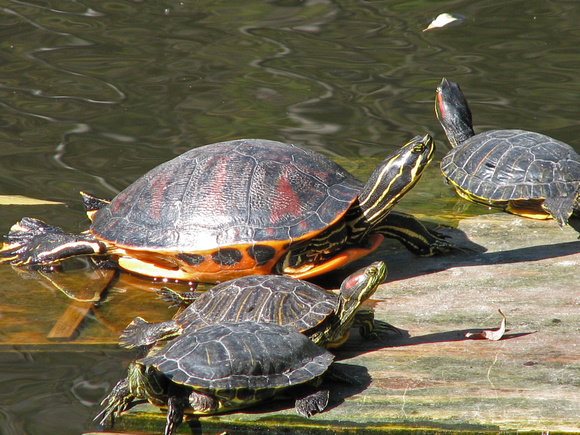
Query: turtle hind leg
[[560, 208], [32, 241], [313, 403], [142, 333], [93, 204]]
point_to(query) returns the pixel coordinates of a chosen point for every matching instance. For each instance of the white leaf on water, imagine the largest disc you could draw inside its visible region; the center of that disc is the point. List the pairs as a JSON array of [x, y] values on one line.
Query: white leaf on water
[[444, 20]]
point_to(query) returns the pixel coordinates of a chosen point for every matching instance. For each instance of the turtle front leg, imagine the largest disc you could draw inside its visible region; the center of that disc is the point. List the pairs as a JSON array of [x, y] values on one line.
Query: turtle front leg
[[117, 401], [175, 410], [142, 333], [414, 235], [33, 242], [369, 327], [176, 299]]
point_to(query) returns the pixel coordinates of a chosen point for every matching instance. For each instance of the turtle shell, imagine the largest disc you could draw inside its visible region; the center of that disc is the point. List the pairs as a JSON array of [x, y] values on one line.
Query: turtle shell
[[267, 356], [226, 210], [241, 192], [505, 165], [266, 299]]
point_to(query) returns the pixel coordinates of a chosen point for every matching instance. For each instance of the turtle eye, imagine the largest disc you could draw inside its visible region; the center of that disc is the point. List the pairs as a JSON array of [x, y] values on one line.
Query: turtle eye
[[419, 148]]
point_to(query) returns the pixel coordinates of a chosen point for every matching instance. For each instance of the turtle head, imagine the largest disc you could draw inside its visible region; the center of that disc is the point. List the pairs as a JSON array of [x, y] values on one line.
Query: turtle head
[[453, 112], [145, 382], [357, 288]]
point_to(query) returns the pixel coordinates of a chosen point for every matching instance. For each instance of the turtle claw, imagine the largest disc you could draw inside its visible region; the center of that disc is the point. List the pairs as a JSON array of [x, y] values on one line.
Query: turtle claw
[[415, 236], [32, 241], [132, 336], [175, 410], [21, 240], [313, 403], [370, 328], [118, 400]]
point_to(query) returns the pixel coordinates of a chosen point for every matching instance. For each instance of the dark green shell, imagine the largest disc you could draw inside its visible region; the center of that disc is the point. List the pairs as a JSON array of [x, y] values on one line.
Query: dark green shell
[[271, 299], [504, 165], [267, 356]]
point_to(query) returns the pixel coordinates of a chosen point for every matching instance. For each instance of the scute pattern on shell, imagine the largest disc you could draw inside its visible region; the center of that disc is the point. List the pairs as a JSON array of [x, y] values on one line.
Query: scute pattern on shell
[[229, 193], [504, 165], [277, 299], [266, 356]]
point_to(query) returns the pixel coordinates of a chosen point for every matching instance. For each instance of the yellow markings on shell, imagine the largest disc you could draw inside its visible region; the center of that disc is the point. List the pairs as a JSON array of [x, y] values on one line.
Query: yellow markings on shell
[[241, 304]]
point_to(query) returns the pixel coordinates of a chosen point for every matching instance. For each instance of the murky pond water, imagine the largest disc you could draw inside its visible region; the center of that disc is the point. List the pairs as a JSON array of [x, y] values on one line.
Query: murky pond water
[[95, 93]]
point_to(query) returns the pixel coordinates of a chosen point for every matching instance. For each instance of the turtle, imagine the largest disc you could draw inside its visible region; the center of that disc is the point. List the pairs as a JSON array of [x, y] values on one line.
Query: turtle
[[518, 171], [322, 315], [241, 207], [224, 367]]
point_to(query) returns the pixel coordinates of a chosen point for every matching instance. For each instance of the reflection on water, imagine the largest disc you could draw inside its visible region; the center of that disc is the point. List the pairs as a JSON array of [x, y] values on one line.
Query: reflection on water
[[93, 94], [54, 392]]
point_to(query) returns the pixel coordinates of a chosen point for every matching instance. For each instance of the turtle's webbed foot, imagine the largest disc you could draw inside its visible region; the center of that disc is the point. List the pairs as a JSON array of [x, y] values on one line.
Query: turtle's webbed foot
[[415, 236], [378, 328], [140, 333], [313, 403], [32, 241], [133, 335], [176, 299], [118, 400], [369, 327], [23, 242]]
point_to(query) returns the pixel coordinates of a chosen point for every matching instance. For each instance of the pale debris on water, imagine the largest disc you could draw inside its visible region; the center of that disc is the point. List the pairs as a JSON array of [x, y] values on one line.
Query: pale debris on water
[[24, 200], [444, 20], [490, 334]]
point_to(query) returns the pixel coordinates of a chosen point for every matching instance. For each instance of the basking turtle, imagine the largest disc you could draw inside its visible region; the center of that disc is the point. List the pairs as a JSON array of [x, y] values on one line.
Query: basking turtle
[[244, 207], [224, 367], [324, 316], [518, 171]]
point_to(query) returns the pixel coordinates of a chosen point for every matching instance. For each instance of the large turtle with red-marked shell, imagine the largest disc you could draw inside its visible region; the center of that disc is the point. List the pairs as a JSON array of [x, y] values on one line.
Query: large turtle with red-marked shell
[[243, 207]]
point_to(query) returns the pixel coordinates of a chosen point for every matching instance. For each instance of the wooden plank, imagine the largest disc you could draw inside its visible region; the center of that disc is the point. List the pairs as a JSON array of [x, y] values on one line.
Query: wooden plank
[[433, 378], [85, 300]]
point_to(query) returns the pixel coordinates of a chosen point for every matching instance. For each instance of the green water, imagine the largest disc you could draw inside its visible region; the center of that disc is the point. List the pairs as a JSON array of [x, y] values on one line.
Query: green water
[[95, 93]]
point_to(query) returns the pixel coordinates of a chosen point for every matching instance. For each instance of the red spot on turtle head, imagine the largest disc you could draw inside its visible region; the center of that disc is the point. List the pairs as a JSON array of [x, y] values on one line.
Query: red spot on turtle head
[[354, 280]]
